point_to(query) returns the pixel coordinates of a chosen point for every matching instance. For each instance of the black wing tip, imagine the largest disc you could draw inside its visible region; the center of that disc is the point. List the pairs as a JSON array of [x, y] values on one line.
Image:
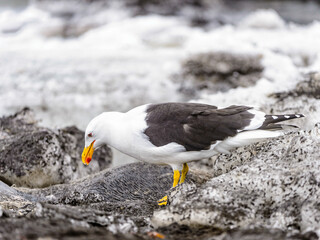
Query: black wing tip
[[285, 116], [272, 119], [277, 127], [296, 115]]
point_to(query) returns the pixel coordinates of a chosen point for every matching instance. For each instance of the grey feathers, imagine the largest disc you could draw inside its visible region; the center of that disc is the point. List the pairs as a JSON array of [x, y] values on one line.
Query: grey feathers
[[194, 126], [197, 126]]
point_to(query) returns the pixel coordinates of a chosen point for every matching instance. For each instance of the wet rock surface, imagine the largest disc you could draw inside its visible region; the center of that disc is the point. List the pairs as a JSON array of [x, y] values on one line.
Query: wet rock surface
[[34, 156], [219, 71]]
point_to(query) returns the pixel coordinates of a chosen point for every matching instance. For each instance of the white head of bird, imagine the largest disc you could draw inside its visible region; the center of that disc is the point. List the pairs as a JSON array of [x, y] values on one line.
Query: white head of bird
[[99, 132]]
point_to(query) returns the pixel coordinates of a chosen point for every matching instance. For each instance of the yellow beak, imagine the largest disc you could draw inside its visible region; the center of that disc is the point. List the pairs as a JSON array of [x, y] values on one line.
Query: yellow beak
[[87, 154]]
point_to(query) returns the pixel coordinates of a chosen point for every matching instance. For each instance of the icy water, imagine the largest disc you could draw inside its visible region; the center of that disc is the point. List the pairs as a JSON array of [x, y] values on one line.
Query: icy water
[[69, 61]]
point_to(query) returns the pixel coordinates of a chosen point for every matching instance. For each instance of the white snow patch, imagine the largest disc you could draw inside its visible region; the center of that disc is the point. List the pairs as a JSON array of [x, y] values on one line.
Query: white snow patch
[[264, 18]]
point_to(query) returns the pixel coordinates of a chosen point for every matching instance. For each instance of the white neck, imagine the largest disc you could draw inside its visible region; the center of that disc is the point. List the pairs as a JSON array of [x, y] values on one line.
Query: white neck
[[112, 128], [123, 130]]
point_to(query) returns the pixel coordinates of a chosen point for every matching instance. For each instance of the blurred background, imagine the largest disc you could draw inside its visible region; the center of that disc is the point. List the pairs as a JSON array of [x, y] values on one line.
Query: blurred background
[[70, 60]]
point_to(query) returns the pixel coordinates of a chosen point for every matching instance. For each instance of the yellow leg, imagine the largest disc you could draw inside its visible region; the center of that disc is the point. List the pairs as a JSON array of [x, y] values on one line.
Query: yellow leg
[[176, 177], [184, 173]]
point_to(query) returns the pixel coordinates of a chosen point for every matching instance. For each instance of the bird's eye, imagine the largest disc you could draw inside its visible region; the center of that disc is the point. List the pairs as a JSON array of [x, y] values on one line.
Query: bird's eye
[[90, 135]]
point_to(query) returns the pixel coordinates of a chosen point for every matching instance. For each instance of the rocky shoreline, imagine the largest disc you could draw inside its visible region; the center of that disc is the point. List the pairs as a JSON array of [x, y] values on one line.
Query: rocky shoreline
[[268, 190]]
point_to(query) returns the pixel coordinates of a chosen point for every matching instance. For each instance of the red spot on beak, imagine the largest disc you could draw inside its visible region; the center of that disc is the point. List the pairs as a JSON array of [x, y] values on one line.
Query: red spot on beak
[[88, 160], [87, 153]]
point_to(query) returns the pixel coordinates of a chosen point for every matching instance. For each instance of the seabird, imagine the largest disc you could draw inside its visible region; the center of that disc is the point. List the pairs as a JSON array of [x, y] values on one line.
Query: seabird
[[178, 133]]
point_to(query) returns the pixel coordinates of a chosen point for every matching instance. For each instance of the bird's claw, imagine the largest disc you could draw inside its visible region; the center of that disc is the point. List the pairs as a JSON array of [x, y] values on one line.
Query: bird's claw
[[163, 201]]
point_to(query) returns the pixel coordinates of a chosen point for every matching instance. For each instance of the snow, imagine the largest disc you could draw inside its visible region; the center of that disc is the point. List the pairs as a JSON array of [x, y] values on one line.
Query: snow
[[264, 18]]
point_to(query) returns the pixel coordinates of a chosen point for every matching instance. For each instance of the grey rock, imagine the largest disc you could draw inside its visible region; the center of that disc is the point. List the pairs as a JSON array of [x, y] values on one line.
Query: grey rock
[[219, 71], [277, 188], [114, 202], [60, 226], [267, 234], [119, 201], [310, 87], [131, 190], [268, 190], [303, 98], [176, 231], [14, 203], [34, 156]]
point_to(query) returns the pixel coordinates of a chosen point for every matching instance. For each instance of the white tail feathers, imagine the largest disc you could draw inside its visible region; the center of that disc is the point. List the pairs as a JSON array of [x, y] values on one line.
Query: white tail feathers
[[245, 138]]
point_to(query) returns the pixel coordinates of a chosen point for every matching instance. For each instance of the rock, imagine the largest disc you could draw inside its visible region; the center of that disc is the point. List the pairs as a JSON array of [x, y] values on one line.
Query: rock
[[219, 71], [176, 231], [310, 87], [119, 201], [14, 203], [223, 163], [304, 98], [277, 188], [33, 156], [268, 190], [267, 234], [53, 222], [132, 189]]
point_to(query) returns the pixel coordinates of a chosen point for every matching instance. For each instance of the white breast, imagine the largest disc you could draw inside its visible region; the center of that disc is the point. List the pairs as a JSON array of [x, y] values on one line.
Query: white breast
[[127, 135]]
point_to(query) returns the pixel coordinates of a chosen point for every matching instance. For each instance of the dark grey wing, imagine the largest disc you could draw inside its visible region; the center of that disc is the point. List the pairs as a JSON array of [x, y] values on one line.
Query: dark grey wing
[[194, 126]]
